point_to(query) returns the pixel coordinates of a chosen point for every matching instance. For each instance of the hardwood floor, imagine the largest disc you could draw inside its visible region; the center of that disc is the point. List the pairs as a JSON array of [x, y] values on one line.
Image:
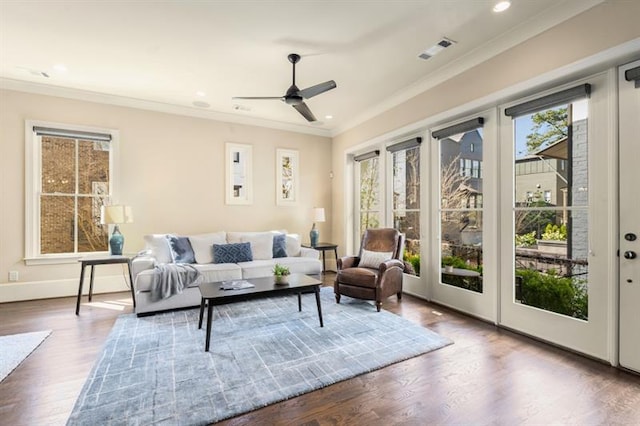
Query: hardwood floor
[[488, 376]]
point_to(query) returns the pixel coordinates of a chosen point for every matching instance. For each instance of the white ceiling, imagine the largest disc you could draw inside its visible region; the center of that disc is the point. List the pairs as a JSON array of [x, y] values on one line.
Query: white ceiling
[[158, 54]]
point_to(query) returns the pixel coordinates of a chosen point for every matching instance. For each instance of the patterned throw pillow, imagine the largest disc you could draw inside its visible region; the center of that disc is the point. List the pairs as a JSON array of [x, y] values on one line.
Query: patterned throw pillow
[[181, 251], [232, 253], [373, 259], [279, 245]]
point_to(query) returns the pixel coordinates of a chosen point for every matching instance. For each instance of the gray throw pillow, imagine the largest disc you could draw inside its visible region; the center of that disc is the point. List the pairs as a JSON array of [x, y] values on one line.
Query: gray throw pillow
[[181, 251], [280, 245]]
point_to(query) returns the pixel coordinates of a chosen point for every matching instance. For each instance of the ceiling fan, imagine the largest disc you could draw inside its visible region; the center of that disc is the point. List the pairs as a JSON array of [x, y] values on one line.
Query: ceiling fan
[[295, 97]]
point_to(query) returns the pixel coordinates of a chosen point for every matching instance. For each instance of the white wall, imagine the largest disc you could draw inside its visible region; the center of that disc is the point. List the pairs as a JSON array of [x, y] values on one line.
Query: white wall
[[171, 171]]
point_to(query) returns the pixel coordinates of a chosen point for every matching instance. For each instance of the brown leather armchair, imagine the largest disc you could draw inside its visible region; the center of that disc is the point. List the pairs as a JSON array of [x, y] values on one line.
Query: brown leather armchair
[[370, 282]]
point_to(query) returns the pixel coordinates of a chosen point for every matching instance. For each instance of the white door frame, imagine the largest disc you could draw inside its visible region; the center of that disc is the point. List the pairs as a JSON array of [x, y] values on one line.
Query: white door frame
[[629, 276]]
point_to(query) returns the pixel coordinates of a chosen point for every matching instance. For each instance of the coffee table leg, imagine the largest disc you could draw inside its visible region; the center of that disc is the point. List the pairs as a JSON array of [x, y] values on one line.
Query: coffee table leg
[[202, 304], [299, 302], [209, 315], [319, 307]]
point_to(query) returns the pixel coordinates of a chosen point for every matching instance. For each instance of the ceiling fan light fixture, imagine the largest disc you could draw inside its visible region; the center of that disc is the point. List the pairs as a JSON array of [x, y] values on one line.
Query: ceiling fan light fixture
[[501, 6]]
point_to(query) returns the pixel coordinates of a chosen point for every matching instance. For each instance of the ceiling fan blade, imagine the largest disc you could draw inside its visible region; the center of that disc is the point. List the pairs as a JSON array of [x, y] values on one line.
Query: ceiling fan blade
[[312, 91], [303, 109], [280, 98]]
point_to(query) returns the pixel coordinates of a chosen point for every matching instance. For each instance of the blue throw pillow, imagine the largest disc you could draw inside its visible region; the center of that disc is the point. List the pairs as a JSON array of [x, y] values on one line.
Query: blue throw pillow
[[181, 251], [280, 245], [232, 253]]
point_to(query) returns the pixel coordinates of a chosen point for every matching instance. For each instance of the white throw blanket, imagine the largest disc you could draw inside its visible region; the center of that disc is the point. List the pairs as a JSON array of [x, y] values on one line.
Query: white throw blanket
[[171, 278]]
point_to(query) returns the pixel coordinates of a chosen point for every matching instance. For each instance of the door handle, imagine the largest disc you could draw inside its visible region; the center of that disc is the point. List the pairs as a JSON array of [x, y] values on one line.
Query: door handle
[[629, 254]]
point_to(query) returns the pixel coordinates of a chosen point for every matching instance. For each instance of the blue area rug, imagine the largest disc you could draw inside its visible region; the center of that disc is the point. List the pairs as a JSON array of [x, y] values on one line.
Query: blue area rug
[[154, 369]]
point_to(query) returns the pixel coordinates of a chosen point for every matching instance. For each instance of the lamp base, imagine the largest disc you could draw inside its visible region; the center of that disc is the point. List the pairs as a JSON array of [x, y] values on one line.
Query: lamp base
[[314, 234], [116, 242]]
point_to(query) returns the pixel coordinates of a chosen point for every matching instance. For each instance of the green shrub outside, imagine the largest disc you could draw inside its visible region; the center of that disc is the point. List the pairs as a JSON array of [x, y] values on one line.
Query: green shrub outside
[[551, 292], [554, 232], [414, 260], [526, 240]]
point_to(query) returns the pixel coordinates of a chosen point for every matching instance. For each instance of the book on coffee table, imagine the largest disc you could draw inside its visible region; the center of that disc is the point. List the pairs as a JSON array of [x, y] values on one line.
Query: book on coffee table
[[235, 285]]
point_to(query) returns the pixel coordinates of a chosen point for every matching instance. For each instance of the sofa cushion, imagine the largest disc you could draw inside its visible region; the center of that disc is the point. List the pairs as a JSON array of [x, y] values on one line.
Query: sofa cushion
[[373, 259], [232, 253], [261, 245], [181, 251], [297, 265], [293, 245], [203, 245], [159, 246], [279, 245]]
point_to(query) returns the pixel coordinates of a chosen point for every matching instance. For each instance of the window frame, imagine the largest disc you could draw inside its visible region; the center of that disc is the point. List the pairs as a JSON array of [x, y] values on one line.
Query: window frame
[[33, 188]]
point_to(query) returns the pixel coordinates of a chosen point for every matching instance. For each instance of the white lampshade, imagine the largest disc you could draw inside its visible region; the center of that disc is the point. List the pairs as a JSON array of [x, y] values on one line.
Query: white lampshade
[[318, 214], [116, 214]]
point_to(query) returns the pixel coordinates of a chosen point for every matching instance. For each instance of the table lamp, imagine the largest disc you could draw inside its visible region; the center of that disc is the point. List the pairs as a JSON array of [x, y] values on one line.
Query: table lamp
[[318, 216], [115, 215]]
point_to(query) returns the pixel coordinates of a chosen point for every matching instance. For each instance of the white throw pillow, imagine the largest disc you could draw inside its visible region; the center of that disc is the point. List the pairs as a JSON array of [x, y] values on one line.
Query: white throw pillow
[[202, 245], [373, 259], [293, 245], [159, 246], [261, 244]]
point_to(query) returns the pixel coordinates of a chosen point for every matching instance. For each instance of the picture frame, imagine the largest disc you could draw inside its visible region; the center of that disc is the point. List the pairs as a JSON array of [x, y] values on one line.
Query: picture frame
[[238, 174], [287, 177]]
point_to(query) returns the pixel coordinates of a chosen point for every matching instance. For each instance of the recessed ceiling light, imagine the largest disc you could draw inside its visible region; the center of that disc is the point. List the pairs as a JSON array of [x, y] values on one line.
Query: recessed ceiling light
[[328, 117], [501, 6], [60, 67], [201, 93]]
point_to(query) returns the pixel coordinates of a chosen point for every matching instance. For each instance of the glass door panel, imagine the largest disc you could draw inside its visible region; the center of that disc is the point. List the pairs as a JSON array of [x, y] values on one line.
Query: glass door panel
[[461, 198], [551, 229]]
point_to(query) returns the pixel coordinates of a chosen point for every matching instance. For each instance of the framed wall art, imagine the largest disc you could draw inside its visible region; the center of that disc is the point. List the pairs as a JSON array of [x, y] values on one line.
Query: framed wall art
[[287, 181], [239, 175]]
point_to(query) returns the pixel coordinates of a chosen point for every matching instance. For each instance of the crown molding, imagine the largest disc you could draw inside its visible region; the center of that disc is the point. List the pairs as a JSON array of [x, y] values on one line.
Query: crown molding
[[123, 101]]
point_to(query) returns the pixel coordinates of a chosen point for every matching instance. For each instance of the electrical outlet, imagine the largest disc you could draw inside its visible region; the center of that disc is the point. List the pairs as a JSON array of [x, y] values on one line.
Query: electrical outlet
[[13, 275]]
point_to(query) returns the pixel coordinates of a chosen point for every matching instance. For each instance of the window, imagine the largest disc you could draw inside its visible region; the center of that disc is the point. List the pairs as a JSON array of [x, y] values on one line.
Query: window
[[69, 179], [461, 210], [551, 239], [369, 186], [406, 200]]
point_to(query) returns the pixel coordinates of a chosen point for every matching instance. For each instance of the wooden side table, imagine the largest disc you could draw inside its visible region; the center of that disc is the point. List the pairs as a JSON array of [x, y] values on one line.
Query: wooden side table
[[101, 260], [323, 247]]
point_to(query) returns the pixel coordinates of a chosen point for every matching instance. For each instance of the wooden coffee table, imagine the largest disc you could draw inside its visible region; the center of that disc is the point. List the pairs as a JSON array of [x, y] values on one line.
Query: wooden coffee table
[[213, 295]]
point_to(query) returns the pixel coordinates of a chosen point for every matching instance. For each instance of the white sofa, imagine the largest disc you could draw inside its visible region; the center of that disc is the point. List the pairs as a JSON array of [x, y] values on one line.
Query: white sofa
[[158, 251]]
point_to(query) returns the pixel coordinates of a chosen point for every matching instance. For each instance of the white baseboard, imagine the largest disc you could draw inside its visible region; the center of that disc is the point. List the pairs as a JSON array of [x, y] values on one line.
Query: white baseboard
[[33, 290]]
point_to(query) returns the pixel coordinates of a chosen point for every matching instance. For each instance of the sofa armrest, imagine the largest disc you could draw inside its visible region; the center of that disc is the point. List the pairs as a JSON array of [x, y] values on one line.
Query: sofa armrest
[[309, 252], [141, 263]]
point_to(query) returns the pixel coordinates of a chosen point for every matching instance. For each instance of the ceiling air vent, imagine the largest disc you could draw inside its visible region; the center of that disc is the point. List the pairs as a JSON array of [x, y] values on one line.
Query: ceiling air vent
[[436, 48]]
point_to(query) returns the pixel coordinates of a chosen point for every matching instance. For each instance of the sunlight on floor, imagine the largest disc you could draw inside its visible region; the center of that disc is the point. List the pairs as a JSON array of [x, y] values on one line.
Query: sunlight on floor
[[114, 305]]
